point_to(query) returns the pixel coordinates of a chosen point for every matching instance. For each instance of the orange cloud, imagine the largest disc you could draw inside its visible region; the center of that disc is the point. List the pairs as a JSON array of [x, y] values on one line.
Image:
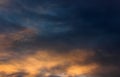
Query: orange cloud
[[7, 41], [35, 63], [71, 63]]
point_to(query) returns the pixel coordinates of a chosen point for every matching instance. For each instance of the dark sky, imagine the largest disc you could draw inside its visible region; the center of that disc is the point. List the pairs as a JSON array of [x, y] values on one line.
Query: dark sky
[[61, 27]]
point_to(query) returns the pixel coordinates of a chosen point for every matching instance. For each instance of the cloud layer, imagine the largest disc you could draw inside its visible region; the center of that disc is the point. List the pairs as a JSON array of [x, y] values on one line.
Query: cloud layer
[[59, 38]]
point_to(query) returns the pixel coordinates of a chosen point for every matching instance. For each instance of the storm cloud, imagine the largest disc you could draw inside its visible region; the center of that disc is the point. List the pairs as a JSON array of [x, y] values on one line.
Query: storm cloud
[[83, 36]]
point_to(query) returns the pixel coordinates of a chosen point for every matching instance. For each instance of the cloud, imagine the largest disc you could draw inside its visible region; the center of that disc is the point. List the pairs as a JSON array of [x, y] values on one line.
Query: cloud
[[7, 47], [75, 37], [4, 2], [49, 61]]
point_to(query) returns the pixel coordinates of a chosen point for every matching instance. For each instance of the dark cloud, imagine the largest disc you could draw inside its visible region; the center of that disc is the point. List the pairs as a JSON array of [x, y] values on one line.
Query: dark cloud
[[18, 74], [75, 23], [63, 26], [7, 26]]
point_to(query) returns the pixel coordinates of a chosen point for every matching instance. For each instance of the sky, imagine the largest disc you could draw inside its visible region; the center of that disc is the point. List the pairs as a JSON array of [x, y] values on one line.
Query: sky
[[59, 38]]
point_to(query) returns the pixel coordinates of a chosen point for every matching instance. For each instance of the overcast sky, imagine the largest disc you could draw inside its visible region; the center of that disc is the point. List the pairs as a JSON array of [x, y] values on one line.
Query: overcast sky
[[75, 37]]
